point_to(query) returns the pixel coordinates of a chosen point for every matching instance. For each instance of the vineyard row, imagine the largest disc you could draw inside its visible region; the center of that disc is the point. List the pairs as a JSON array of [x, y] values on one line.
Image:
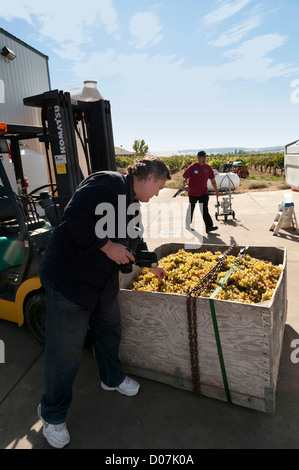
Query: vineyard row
[[270, 162]]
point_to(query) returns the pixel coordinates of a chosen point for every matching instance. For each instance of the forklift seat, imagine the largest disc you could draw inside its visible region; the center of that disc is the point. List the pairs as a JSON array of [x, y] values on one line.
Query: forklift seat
[[8, 223], [6, 208], [6, 211]]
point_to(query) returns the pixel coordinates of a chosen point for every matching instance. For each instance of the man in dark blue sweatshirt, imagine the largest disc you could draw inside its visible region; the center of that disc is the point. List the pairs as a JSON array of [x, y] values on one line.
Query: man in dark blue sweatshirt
[[80, 273]]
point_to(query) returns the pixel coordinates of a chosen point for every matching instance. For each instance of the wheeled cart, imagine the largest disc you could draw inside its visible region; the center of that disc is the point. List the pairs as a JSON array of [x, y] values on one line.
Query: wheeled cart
[[226, 203]]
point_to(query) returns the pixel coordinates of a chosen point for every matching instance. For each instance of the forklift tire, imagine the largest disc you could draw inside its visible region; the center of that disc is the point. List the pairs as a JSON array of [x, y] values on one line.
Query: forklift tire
[[35, 315]]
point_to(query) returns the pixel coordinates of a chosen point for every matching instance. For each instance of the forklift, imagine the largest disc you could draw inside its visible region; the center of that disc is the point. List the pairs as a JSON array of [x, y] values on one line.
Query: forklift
[[68, 127]]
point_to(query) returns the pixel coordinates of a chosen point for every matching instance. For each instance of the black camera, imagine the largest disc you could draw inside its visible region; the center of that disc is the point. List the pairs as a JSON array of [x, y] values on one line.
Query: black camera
[[143, 259]]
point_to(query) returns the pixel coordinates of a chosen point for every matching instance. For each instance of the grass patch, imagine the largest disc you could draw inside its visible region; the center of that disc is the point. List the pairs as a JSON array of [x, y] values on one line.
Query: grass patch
[[274, 178], [176, 181], [284, 186], [257, 185]]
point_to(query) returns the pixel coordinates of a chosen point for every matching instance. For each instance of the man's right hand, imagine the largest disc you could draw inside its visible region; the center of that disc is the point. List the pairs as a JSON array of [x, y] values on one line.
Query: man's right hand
[[117, 252]]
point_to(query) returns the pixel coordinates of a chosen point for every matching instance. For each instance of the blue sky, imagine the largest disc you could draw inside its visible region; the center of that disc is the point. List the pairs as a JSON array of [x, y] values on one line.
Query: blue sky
[[180, 75]]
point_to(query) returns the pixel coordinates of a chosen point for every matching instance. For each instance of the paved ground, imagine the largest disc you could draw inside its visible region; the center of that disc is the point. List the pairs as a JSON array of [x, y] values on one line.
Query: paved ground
[[161, 417]]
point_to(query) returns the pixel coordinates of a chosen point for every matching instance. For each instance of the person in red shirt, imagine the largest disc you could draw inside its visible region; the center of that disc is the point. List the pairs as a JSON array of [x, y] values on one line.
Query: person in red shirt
[[195, 180]]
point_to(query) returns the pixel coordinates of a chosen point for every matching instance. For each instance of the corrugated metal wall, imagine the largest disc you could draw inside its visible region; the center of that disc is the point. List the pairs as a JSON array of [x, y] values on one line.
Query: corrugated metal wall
[[24, 76]]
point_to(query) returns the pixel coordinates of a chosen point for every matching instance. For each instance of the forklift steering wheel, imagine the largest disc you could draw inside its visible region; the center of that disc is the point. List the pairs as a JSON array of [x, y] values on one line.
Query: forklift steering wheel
[[43, 187]]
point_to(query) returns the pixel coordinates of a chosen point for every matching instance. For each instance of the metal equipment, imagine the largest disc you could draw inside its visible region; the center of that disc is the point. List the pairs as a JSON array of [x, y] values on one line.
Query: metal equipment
[[291, 164], [226, 203], [68, 128], [285, 218], [237, 166]]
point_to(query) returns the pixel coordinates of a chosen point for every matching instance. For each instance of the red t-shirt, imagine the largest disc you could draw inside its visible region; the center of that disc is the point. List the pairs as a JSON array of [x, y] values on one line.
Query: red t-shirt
[[198, 176]]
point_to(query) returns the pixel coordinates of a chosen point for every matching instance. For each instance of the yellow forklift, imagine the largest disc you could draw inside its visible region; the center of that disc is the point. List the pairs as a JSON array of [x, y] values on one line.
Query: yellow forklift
[[68, 128]]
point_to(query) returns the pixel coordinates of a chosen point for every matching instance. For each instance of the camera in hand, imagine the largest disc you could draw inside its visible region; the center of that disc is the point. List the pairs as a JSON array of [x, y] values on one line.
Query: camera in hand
[[143, 259]]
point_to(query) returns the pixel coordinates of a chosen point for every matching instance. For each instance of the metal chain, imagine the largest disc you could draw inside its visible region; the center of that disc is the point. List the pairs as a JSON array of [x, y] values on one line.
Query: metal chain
[[192, 295]]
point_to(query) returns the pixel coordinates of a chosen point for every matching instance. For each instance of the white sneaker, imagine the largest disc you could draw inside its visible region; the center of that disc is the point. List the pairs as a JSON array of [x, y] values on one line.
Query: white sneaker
[[128, 387], [57, 435]]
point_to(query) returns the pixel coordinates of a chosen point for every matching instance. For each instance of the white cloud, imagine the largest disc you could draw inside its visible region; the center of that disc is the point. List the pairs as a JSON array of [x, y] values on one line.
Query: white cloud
[[69, 50], [68, 25], [137, 74], [227, 9], [16, 9], [237, 33], [249, 61], [145, 79], [145, 29]]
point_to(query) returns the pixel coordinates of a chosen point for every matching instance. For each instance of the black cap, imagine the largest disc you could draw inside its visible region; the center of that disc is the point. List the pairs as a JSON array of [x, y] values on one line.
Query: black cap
[[202, 153]]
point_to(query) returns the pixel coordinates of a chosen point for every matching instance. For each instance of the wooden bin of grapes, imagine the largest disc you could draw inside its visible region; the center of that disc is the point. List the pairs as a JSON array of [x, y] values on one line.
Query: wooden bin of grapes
[[213, 326]]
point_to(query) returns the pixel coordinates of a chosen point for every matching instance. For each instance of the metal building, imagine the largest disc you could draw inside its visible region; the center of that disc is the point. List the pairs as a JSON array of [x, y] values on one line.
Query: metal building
[[24, 72]]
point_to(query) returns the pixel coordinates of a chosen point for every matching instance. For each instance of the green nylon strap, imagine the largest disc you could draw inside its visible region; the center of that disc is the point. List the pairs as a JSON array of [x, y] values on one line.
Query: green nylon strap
[[215, 324]]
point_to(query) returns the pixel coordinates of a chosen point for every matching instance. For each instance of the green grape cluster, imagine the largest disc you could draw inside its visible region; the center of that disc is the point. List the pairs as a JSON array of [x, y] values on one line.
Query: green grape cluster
[[252, 281]]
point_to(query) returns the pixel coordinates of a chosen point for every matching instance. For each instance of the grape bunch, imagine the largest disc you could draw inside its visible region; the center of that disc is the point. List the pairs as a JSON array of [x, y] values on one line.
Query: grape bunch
[[252, 281]]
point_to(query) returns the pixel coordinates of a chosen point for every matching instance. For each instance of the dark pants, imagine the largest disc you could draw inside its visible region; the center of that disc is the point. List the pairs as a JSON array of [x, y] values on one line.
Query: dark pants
[[66, 328], [203, 205]]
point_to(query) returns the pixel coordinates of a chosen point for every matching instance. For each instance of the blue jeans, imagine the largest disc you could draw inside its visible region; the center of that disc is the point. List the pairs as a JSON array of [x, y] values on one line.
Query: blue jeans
[[66, 328]]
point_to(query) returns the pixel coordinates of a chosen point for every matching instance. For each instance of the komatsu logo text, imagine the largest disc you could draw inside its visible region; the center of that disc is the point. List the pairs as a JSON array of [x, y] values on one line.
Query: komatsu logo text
[[59, 129]]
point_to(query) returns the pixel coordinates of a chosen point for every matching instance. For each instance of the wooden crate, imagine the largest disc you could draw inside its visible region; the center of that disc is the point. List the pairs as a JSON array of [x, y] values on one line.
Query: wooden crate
[[155, 342]]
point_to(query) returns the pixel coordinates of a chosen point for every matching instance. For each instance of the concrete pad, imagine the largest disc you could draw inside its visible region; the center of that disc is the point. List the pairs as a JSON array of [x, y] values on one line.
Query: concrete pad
[[159, 417], [21, 352]]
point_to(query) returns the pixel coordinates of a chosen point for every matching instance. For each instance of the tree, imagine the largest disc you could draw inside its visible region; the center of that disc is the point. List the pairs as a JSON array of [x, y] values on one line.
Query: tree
[[140, 148]]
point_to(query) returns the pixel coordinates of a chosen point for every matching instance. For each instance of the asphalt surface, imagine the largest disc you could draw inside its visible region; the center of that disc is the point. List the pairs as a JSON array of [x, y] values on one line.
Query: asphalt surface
[[162, 417]]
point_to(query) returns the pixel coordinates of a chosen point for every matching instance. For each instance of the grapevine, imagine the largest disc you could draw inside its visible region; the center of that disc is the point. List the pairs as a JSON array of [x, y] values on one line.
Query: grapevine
[[252, 281]]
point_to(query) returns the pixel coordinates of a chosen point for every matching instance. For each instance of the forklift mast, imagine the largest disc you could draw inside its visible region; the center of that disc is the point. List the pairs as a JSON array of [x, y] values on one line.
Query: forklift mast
[[67, 126], [66, 123]]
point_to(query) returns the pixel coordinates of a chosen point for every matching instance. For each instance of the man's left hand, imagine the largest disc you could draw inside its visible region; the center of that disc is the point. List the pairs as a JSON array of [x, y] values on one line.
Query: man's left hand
[[159, 272]]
